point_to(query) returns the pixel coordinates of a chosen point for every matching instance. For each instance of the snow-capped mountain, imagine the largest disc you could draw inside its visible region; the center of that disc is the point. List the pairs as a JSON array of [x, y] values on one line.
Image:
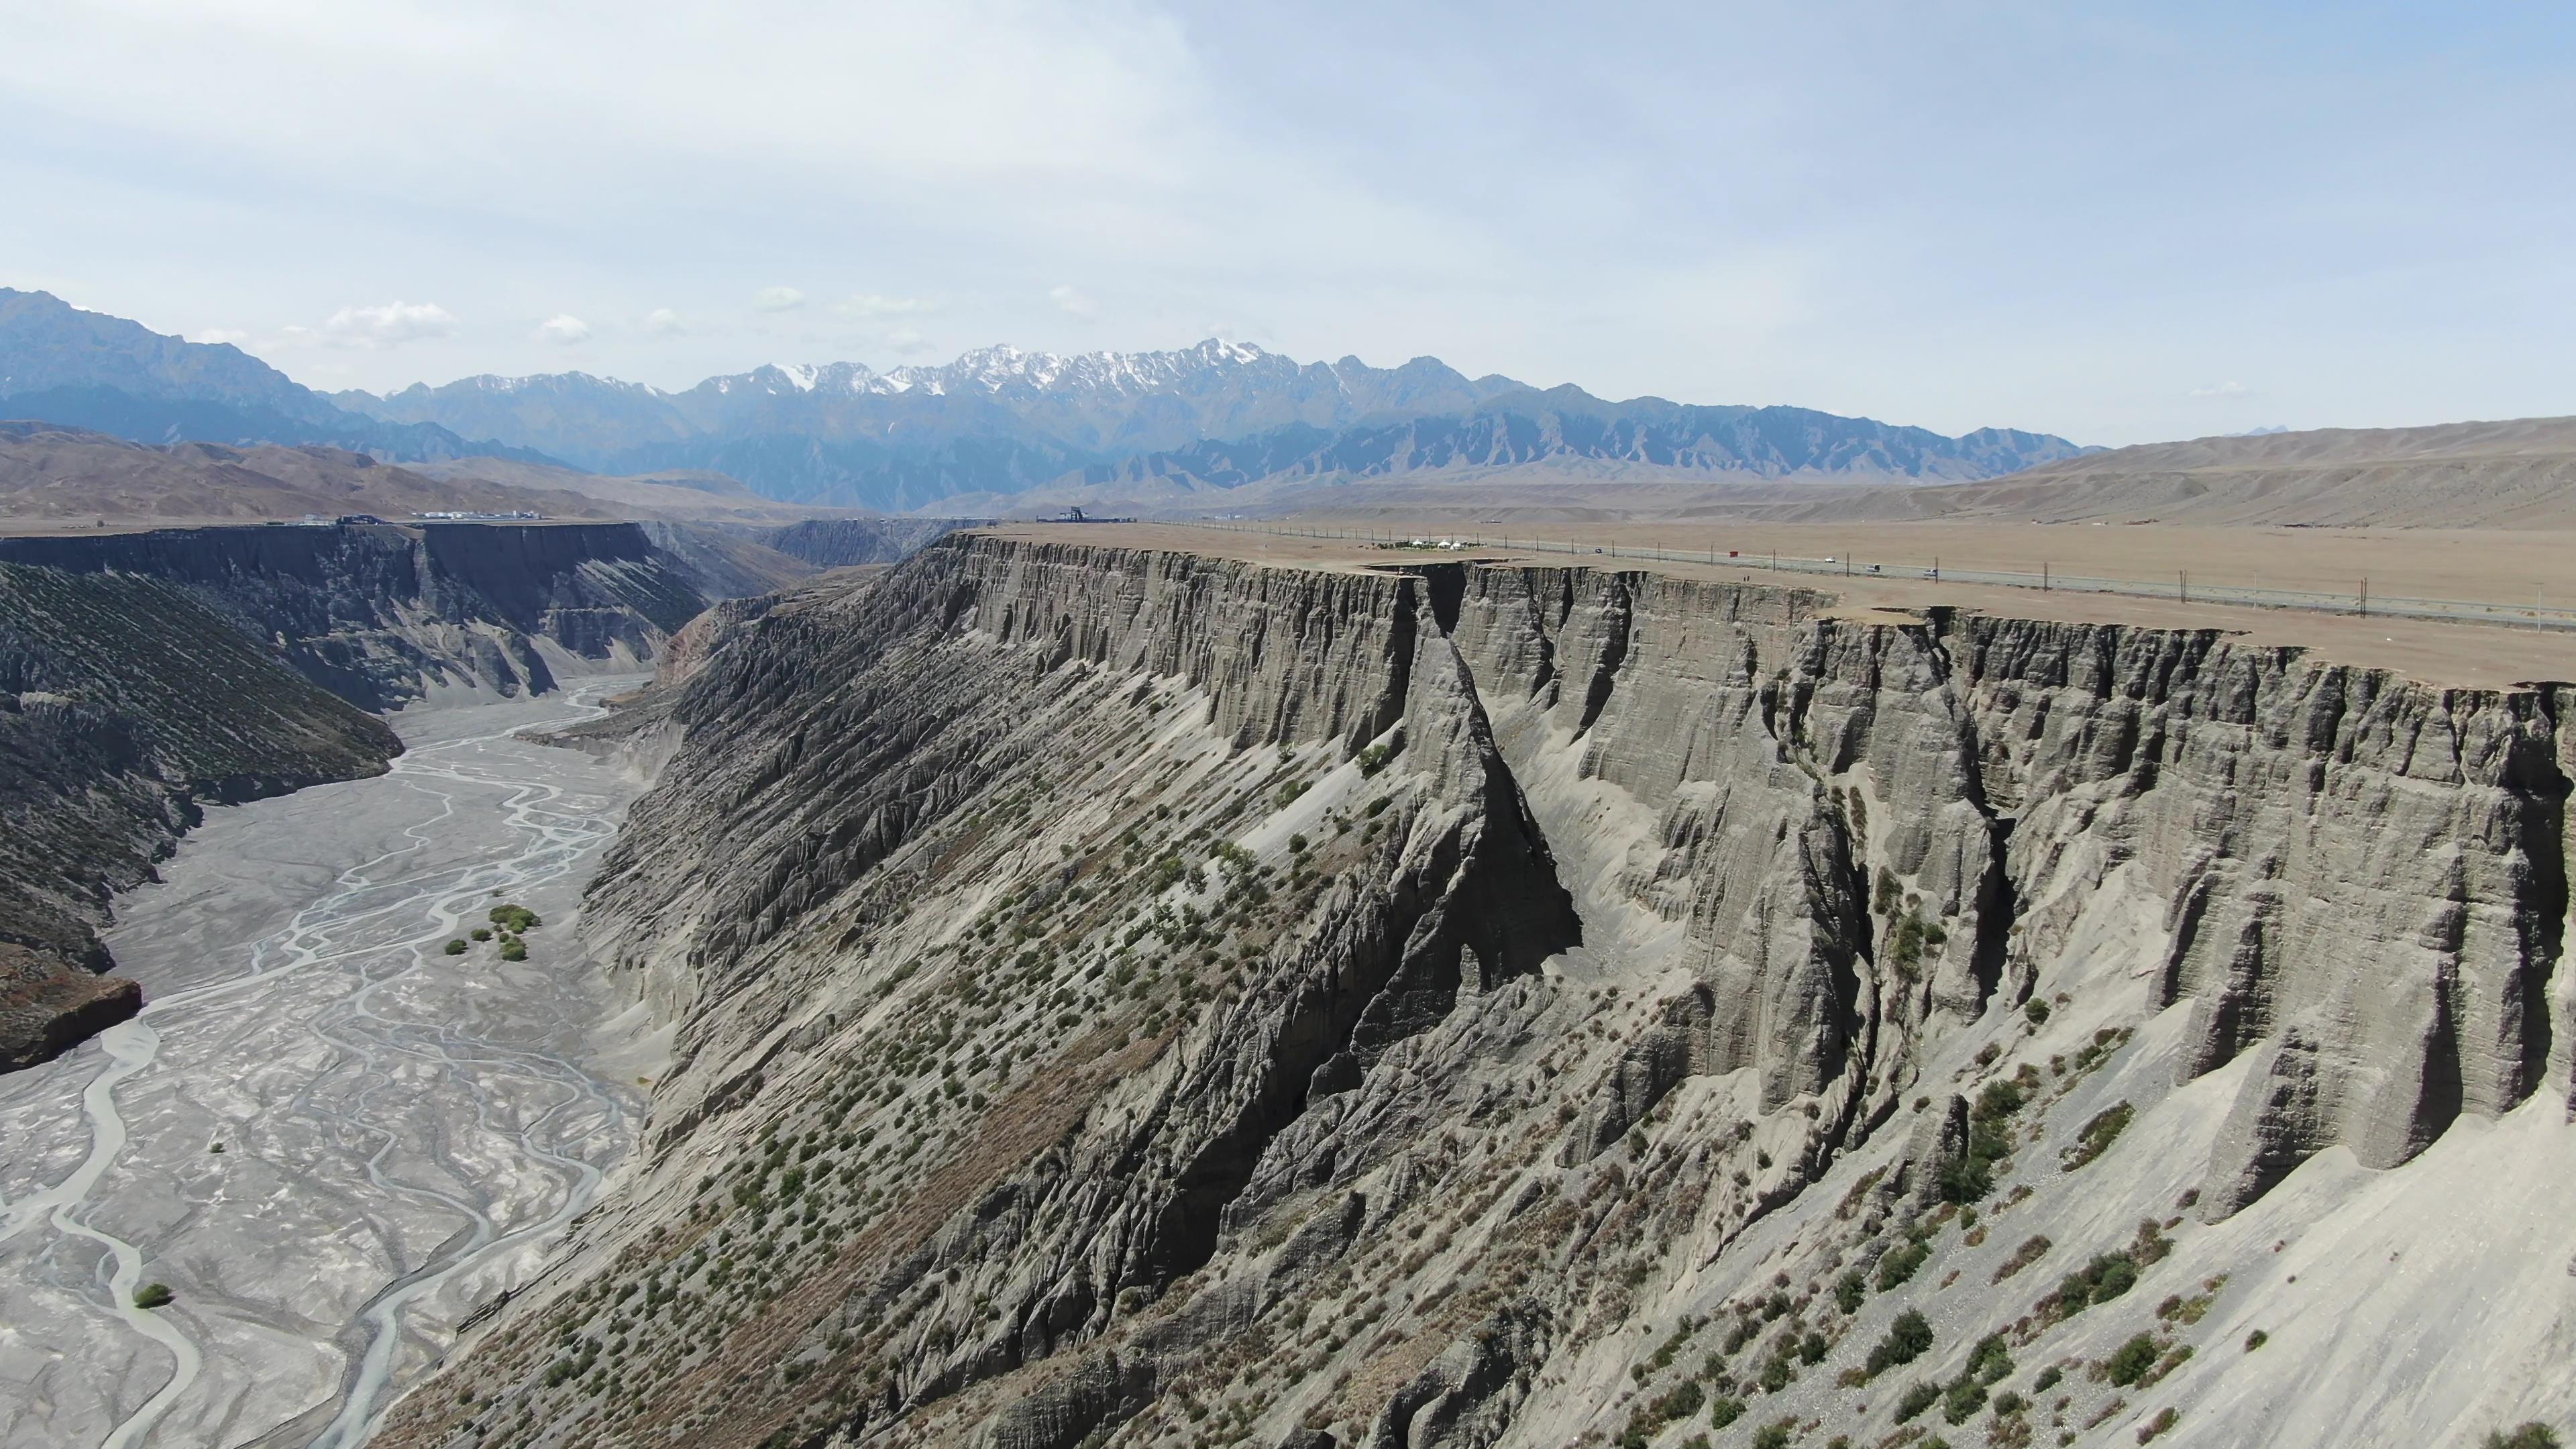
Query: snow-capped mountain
[[1092, 403], [997, 420]]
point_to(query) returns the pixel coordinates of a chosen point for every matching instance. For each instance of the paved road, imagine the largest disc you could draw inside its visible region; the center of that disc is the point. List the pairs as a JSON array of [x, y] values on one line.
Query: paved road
[[401, 1131]]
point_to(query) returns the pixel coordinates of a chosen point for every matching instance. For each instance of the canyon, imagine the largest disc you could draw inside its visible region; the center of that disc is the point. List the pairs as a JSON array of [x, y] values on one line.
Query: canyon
[[329, 1139], [1125, 995]]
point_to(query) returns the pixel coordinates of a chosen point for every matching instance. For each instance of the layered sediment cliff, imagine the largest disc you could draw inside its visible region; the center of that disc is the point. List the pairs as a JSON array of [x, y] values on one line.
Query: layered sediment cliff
[[381, 614], [109, 745], [1134, 998]]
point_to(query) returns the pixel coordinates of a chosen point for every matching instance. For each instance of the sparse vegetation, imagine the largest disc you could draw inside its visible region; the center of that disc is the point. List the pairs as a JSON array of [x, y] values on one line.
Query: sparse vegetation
[[2032, 1249], [1971, 1176], [1912, 937], [1902, 1262], [1671, 1407], [1916, 1399], [514, 919], [2527, 1436], [2098, 1135]]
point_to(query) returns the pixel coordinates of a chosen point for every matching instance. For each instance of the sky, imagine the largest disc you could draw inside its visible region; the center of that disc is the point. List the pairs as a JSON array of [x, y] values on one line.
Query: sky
[[2118, 223]]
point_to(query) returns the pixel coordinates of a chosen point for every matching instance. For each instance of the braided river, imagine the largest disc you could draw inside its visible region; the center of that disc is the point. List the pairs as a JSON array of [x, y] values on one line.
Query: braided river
[[330, 1140]]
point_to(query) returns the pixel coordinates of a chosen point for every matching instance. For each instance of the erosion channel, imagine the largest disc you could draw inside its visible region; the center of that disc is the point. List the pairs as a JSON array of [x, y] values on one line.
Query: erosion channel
[[330, 1139]]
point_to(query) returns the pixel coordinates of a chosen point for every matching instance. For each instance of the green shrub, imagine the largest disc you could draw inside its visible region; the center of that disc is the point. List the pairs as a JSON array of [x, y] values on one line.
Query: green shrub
[[2105, 1278], [1724, 1411], [455, 948], [514, 950], [2047, 1379], [1901, 1264], [1849, 1291], [1906, 1340], [481, 933], [154, 1295], [2037, 1010], [1813, 1348], [2130, 1361], [1775, 1435], [2256, 1340], [1289, 792], [2528, 1436], [1916, 1399], [2165, 1419], [515, 918], [1372, 760], [1963, 1399], [1991, 1361]]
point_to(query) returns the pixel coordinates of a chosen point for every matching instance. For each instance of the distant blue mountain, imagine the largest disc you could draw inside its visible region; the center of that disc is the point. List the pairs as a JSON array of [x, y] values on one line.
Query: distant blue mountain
[[59, 364], [995, 421]]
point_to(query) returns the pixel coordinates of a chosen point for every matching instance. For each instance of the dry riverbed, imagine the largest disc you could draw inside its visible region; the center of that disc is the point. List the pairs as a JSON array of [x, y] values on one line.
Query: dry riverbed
[[327, 1137]]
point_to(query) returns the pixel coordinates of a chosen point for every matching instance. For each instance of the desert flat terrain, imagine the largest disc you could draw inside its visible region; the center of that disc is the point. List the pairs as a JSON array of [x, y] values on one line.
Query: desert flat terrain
[[2459, 564]]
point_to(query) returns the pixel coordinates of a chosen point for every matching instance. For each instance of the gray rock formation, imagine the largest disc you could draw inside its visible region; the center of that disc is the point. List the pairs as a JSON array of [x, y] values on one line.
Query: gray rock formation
[[109, 745], [1135, 998], [379, 614], [832, 543]]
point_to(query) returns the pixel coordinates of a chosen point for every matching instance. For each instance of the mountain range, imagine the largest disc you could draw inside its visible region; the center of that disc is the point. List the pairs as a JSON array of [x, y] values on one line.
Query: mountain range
[[60, 364], [994, 424]]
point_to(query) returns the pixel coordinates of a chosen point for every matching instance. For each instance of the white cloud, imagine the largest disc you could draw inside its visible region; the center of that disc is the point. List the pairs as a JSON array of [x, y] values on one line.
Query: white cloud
[[778, 299], [389, 325], [868, 304], [906, 342], [213, 335], [563, 329], [663, 322], [2224, 389], [1073, 301]]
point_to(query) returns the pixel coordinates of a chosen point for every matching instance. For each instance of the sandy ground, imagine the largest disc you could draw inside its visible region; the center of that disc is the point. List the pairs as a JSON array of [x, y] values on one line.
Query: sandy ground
[[2415, 562], [402, 1132]]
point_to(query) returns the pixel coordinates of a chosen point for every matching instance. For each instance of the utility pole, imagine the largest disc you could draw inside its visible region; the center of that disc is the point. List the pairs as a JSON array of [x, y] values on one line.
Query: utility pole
[[2365, 596], [2043, 578]]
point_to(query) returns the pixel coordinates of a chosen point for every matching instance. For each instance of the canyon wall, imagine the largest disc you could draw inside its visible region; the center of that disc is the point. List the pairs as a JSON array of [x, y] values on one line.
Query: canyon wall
[[110, 744], [1135, 998], [381, 614]]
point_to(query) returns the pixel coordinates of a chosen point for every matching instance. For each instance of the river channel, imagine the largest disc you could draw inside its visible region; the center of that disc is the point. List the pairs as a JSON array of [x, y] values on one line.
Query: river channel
[[329, 1139]]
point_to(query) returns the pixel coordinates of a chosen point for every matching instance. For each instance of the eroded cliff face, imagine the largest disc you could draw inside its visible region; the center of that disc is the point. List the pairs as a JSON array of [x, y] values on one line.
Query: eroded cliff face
[[381, 615], [1133, 998], [109, 747]]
